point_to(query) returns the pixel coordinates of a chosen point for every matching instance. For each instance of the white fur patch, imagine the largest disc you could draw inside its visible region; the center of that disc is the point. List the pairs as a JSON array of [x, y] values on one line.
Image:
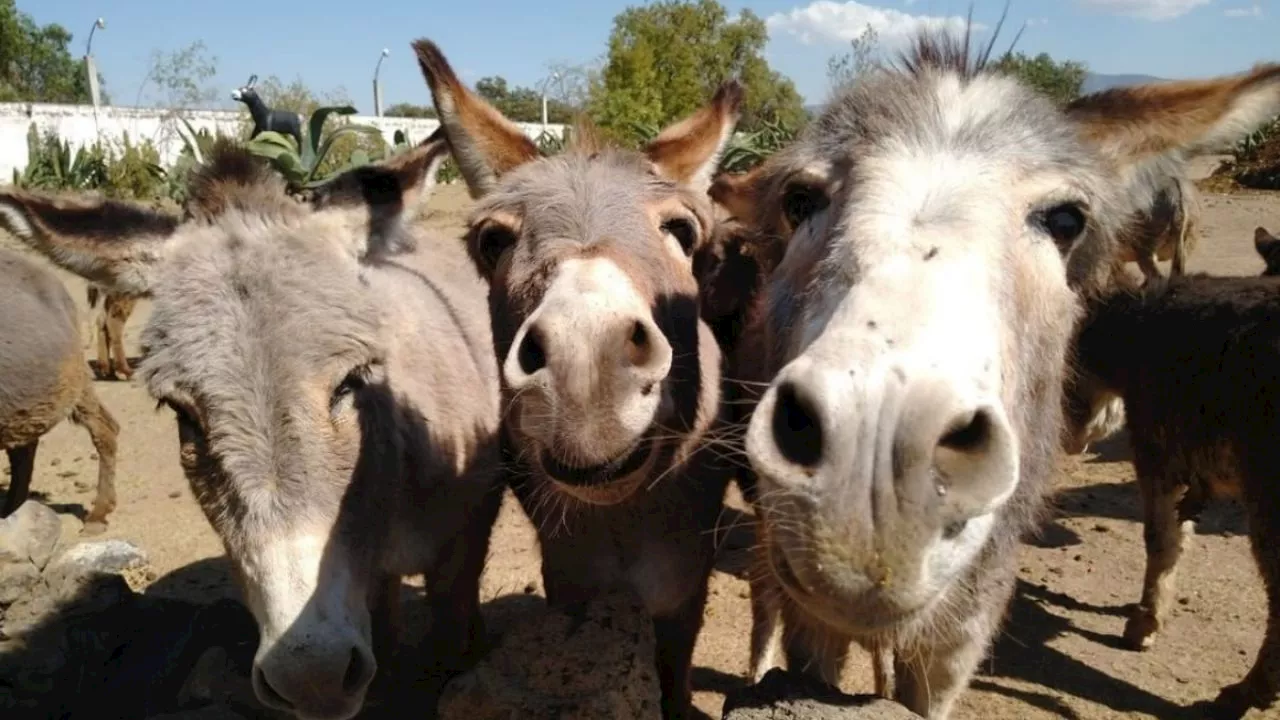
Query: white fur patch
[[15, 220], [282, 575]]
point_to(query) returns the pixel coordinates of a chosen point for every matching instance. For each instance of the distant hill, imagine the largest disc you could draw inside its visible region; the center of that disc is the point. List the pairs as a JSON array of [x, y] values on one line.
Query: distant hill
[[1093, 82]]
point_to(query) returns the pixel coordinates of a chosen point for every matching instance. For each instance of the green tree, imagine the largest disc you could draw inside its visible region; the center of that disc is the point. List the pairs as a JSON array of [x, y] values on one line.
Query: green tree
[[182, 77], [845, 68], [1061, 81], [36, 64], [521, 103], [666, 59], [407, 110]]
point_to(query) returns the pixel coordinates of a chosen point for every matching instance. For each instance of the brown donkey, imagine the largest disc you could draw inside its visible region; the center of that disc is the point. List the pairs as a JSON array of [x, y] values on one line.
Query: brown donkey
[[1217, 340], [941, 224], [331, 372], [46, 381], [108, 326], [611, 382]]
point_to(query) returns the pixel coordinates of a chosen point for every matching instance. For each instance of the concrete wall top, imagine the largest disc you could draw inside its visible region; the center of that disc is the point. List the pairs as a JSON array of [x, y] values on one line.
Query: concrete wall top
[[80, 125]]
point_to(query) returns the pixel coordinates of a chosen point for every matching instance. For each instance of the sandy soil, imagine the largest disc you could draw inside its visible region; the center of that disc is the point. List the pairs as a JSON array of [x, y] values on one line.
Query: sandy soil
[[1057, 657]]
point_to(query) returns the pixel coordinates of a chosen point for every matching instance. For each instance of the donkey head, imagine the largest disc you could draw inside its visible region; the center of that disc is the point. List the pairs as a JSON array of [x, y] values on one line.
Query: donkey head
[[607, 368], [271, 347], [942, 223]]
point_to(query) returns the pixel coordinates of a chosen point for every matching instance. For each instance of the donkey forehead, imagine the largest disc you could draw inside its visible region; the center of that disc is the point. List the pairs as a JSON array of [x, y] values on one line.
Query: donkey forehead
[[227, 299], [582, 196], [992, 121]]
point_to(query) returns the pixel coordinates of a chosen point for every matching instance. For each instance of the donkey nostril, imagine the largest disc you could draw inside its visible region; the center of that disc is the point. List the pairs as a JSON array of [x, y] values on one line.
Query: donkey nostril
[[968, 433], [356, 676], [639, 336], [270, 695], [531, 355], [796, 429]]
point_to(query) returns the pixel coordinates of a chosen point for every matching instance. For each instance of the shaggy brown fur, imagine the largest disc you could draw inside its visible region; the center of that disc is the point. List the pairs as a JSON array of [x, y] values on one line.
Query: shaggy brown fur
[[46, 381], [1217, 340], [336, 401], [595, 317]]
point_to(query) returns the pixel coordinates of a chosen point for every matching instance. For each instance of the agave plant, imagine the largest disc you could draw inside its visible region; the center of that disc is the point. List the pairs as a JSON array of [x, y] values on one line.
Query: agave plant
[[301, 166], [51, 166], [746, 150]]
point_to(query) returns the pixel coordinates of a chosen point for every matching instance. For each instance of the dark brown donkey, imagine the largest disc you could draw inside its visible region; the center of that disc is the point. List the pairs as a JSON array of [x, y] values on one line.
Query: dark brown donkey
[[611, 381], [942, 223], [1215, 342], [332, 375]]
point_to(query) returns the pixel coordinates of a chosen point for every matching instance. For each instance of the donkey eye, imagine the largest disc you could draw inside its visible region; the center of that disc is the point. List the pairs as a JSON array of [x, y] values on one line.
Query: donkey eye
[[684, 231], [354, 382], [491, 241], [801, 202], [1065, 223]]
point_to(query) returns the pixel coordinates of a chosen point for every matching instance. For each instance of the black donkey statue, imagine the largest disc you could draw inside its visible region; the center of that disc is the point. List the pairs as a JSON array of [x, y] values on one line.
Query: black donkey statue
[[264, 118]]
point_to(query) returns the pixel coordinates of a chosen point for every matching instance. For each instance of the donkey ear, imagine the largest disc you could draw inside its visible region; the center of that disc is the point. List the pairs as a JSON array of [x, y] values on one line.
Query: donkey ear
[[1136, 123], [484, 143], [740, 193], [115, 244], [392, 191], [688, 151]]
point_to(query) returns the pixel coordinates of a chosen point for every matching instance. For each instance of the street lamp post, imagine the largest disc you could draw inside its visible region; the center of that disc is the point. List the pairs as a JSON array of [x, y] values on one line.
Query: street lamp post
[[551, 77], [91, 67], [377, 89]]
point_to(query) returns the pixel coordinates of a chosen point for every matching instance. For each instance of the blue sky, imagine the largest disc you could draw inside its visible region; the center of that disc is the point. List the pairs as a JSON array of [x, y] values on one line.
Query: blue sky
[[332, 43]]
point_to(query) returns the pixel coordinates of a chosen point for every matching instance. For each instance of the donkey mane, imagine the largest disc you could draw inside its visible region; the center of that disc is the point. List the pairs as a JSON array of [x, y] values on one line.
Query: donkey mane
[[234, 178], [942, 51]]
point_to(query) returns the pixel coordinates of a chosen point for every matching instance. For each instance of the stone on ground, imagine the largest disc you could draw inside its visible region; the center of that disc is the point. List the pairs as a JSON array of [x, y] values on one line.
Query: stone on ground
[[781, 695], [552, 665]]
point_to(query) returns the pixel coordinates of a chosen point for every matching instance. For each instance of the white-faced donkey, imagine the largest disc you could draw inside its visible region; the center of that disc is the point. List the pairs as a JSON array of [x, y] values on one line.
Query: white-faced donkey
[[332, 375], [611, 380], [942, 224]]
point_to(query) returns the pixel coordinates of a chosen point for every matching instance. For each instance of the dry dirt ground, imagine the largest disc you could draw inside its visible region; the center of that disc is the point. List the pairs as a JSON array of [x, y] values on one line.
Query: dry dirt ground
[[1058, 655]]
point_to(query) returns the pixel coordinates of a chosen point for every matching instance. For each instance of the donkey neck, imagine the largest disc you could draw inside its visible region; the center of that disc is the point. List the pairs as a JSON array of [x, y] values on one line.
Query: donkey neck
[[257, 108]]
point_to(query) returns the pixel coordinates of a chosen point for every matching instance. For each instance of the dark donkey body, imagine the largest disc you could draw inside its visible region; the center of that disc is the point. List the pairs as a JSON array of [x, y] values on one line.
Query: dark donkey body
[[1196, 360], [266, 119], [611, 381], [331, 372]]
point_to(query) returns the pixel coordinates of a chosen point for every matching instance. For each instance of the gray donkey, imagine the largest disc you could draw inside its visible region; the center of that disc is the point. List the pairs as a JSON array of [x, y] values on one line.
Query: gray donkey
[[336, 397], [943, 225], [46, 381]]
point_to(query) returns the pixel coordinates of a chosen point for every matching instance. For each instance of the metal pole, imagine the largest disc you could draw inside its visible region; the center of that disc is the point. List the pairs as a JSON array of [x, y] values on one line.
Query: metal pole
[[90, 67], [377, 88]]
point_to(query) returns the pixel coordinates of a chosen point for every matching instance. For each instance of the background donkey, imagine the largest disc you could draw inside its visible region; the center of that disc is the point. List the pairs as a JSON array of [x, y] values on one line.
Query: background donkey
[[942, 224], [264, 118], [336, 398]]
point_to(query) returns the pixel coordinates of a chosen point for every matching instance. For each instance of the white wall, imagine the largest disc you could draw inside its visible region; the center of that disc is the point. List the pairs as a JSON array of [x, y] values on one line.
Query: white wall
[[79, 126]]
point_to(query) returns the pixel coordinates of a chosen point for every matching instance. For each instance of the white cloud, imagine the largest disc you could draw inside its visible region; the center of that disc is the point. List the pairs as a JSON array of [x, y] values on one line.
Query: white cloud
[[827, 21], [1254, 10], [1032, 22], [1146, 9]]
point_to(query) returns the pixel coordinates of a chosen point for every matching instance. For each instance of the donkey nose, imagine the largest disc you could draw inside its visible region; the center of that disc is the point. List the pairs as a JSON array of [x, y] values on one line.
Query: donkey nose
[[580, 349], [315, 682], [916, 434]]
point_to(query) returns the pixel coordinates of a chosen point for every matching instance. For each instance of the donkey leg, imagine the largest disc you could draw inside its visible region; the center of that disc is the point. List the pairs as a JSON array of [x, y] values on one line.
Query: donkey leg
[[1261, 687], [1147, 264], [815, 651], [99, 327], [1166, 529], [22, 463], [675, 637], [766, 635], [104, 431], [117, 316]]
